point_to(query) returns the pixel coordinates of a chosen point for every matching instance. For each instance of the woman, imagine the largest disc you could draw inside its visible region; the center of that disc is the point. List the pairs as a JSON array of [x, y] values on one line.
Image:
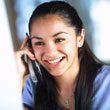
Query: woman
[[72, 77]]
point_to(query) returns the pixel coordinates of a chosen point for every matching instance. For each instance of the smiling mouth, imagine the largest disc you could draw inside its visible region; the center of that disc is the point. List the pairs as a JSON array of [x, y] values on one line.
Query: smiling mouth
[[55, 61]]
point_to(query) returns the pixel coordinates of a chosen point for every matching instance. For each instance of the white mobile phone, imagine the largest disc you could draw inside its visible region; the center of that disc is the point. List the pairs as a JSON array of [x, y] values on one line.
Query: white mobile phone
[[32, 72], [33, 66]]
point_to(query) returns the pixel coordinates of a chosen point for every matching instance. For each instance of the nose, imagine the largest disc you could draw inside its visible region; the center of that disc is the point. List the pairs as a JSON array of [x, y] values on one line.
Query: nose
[[50, 49]]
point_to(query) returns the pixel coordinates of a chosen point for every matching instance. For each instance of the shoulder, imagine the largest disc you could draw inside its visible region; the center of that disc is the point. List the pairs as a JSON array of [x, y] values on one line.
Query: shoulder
[[101, 98], [29, 93], [103, 76]]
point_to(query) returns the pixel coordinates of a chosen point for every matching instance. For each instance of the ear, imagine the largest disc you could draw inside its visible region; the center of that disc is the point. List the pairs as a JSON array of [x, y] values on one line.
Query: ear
[[80, 38]]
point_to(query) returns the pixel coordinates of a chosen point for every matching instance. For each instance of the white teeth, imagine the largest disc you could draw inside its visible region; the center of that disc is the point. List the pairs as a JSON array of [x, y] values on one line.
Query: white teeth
[[55, 61]]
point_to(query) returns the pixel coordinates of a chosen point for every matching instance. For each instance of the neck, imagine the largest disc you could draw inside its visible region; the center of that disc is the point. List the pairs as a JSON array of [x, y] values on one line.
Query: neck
[[66, 92], [67, 83], [67, 86]]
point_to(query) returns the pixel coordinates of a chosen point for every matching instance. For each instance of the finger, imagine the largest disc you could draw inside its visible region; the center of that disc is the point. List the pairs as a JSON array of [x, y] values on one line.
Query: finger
[[28, 51], [25, 42]]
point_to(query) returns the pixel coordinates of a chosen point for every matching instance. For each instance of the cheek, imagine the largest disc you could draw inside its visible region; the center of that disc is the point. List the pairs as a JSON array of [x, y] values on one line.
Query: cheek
[[69, 47], [37, 54]]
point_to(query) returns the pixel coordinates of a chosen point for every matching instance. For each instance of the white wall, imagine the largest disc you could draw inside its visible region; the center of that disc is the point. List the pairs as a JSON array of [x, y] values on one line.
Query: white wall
[[10, 93], [100, 15]]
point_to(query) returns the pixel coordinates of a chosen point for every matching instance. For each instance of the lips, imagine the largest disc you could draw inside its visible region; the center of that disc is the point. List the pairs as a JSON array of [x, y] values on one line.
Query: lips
[[55, 62]]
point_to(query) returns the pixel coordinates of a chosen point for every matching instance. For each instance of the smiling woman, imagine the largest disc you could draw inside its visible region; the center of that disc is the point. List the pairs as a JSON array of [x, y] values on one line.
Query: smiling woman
[[70, 72], [57, 48]]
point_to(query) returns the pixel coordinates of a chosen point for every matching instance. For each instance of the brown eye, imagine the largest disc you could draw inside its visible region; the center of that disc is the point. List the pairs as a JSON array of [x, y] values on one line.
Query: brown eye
[[39, 43], [59, 40]]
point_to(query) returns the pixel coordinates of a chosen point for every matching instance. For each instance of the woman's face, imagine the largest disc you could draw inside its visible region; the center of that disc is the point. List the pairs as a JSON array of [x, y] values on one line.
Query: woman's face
[[55, 45]]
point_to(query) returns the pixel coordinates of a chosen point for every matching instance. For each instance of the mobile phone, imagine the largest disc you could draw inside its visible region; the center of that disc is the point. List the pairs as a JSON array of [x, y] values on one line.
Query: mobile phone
[[33, 66]]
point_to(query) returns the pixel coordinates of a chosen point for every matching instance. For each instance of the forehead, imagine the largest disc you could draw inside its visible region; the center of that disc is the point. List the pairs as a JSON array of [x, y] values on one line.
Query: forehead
[[49, 24], [49, 18]]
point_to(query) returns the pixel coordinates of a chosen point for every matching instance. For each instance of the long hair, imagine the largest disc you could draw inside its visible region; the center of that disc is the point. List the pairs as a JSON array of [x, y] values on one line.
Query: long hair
[[46, 93]]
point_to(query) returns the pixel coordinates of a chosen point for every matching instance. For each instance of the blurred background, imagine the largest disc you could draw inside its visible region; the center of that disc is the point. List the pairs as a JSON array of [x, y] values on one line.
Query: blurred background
[[14, 18], [94, 14]]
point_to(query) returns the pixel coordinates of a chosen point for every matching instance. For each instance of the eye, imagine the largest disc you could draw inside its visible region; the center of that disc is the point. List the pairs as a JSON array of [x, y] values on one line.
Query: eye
[[59, 40], [39, 43]]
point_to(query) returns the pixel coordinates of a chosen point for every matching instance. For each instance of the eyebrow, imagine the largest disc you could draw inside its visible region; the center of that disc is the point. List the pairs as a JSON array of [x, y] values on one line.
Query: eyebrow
[[36, 37], [59, 33], [40, 38]]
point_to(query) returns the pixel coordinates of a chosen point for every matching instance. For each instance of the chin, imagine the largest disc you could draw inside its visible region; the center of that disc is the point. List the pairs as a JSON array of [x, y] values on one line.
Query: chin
[[56, 74]]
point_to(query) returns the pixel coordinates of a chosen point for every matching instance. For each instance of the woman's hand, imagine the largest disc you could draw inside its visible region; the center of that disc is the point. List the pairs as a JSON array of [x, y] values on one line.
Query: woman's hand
[[22, 66]]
